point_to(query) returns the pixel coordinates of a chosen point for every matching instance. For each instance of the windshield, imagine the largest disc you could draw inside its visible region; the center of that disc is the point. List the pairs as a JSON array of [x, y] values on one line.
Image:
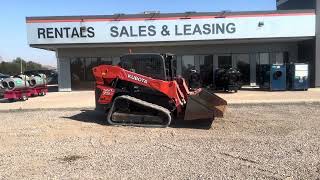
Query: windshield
[[148, 65]]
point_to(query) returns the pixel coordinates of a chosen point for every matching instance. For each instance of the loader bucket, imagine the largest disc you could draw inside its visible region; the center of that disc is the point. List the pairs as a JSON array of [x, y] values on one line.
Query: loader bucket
[[204, 105]]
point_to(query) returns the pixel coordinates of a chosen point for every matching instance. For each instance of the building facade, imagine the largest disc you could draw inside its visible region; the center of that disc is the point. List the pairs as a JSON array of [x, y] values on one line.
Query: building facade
[[205, 41]]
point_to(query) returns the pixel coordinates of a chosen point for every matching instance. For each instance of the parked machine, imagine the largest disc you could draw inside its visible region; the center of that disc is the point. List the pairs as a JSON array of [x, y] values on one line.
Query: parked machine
[[298, 76], [2, 77], [145, 91], [278, 77], [194, 79], [38, 84], [227, 79], [21, 87], [16, 88], [51, 75], [273, 77]]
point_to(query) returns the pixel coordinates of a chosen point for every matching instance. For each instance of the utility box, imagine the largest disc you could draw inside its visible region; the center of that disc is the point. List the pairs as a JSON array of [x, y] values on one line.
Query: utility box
[[298, 76], [278, 77]]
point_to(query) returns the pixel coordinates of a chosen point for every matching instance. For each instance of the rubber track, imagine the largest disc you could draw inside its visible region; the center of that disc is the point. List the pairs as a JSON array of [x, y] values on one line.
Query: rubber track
[[143, 103]]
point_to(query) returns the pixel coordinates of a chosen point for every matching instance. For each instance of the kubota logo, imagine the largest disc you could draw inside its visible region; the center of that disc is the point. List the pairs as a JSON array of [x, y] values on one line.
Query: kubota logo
[[136, 78]]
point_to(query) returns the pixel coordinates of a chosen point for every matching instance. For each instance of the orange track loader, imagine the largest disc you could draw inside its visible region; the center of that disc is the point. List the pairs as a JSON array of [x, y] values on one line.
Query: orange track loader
[[144, 90]]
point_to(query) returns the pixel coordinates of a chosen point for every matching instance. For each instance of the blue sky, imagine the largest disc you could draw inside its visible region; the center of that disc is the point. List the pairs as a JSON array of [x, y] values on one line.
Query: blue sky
[[13, 37]]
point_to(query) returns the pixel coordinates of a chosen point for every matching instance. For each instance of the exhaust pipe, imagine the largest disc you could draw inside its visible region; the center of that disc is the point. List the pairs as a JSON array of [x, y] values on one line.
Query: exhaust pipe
[[33, 82], [38, 80], [4, 84], [15, 83], [11, 85]]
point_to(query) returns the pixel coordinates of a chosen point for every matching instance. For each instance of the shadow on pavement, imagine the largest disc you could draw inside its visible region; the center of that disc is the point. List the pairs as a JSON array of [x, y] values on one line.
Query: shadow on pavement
[[98, 117], [197, 124], [89, 116], [4, 100]]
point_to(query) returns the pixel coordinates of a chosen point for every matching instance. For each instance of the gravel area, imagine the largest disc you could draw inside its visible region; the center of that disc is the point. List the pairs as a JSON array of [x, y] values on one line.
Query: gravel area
[[252, 141]]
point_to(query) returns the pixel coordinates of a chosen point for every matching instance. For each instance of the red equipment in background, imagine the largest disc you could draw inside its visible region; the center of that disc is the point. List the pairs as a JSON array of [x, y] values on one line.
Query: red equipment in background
[[21, 87], [39, 91], [38, 84], [18, 94]]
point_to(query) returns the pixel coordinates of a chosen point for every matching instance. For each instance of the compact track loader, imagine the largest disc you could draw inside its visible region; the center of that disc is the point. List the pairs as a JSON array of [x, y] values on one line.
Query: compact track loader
[[144, 90]]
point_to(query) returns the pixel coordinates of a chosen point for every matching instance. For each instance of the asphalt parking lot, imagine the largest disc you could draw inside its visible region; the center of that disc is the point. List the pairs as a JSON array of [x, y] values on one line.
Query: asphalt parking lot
[[252, 141]]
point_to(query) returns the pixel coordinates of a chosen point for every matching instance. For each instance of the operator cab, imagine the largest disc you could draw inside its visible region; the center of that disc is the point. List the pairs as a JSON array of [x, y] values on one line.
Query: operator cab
[[157, 66]]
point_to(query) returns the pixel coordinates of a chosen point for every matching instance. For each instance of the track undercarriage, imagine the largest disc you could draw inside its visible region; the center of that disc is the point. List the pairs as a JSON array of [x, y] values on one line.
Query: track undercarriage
[[127, 110]]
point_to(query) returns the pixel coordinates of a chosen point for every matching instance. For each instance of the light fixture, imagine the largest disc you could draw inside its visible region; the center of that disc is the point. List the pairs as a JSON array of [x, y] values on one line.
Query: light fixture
[[151, 12], [149, 15], [260, 24], [117, 16], [83, 28], [187, 14], [223, 14]]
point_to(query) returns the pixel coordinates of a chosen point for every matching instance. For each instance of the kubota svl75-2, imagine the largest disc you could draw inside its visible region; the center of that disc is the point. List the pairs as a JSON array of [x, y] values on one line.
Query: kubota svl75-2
[[144, 90]]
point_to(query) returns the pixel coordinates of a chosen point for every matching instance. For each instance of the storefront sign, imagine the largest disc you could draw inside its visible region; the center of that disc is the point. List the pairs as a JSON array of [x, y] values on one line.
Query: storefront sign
[[275, 26]]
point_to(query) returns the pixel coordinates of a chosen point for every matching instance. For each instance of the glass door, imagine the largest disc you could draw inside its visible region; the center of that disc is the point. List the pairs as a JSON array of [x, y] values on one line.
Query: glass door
[[263, 70], [224, 61], [188, 64], [241, 62], [206, 70]]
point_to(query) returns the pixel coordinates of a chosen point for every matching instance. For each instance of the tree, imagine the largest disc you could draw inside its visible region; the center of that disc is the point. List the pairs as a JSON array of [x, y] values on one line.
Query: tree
[[14, 67]]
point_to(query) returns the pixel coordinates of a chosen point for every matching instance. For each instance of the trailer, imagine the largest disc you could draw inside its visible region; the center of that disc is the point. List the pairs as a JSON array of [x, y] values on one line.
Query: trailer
[[39, 91], [17, 94]]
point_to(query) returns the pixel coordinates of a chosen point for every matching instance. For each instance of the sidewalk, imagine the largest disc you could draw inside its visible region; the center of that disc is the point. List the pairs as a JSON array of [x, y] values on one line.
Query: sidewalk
[[85, 99], [258, 97], [55, 100]]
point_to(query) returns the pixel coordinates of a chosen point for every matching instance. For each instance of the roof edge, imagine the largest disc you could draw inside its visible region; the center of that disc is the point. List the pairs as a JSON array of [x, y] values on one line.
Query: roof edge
[[167, 15]]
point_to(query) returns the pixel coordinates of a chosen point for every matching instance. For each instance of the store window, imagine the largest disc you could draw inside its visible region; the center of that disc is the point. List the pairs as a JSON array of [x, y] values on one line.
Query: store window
[[279, 58], [206, 70], [81, 71], [263, 68], [242, 63], [203, 64], [105, 60], [115, 60], [90, 63], [225, 61], [77, 66], [263, 58], [188, 63]]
